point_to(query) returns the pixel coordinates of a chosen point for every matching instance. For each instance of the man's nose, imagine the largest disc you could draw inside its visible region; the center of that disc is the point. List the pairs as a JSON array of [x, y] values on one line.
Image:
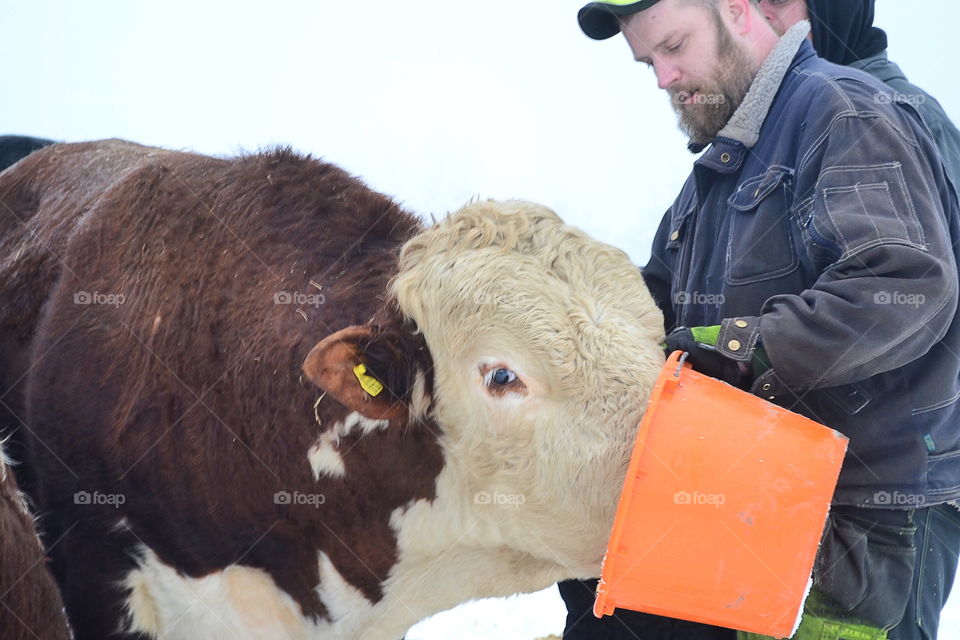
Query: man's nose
[[667, 74]]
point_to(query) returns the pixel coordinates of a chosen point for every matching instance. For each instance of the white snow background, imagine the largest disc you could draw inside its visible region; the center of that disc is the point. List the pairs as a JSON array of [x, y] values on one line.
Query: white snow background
[[431, 102]]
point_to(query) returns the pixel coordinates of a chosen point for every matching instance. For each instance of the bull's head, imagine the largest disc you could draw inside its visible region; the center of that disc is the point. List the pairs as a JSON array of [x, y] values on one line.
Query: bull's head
[[544, 346]]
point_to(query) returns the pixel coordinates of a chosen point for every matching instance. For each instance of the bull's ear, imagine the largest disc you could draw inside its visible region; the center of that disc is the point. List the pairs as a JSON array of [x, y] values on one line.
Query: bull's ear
[[362, 368]]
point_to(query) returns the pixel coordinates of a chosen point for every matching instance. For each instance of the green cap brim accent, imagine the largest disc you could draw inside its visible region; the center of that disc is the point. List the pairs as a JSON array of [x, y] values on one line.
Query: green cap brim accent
[[601, 20]]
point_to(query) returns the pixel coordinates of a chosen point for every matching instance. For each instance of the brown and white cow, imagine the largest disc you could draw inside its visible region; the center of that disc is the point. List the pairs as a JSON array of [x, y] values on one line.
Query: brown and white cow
[[182, 334], [30, 604]]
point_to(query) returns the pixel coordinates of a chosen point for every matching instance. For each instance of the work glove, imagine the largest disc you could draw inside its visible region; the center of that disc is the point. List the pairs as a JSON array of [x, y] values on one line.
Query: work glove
[[701, 345], [716, 350]]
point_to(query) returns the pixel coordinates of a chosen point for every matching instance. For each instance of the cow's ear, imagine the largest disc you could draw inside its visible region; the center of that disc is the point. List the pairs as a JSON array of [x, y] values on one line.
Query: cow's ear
[[362, 367]]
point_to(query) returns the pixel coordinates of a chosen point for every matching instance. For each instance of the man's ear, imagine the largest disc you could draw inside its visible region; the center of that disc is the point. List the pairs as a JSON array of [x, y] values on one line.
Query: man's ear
[[738, 12], [363, 368]]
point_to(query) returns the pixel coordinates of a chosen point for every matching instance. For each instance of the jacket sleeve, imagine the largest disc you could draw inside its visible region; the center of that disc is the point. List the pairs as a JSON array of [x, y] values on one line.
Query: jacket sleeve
[[658, 273], [870, 207]]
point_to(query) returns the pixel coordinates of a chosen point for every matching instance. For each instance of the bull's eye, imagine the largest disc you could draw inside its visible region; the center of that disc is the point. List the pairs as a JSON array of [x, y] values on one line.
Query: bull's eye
[[500, 380]]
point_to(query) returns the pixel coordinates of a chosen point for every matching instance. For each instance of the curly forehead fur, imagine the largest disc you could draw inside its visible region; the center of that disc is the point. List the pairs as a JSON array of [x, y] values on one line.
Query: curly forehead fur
[[580, 306]]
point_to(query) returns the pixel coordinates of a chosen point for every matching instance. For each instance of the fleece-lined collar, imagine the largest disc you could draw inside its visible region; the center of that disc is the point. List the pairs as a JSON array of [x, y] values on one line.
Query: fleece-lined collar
[[744, 125]]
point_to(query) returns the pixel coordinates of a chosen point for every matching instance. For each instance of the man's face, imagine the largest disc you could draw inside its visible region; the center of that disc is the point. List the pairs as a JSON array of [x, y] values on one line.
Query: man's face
[[696, 60], [783, 14]]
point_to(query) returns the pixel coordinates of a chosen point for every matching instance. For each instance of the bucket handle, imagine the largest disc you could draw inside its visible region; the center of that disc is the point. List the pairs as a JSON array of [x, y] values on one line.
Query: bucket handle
[[683, 358]]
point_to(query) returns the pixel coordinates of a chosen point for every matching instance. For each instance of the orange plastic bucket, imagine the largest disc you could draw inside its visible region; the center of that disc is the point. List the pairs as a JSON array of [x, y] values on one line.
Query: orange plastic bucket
[[722, 509]]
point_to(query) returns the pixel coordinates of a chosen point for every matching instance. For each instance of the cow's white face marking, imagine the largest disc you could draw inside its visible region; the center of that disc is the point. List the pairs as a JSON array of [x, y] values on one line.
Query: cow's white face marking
[[323, 456], [325, 459], [419, 398], [355, 419], [238, 602]]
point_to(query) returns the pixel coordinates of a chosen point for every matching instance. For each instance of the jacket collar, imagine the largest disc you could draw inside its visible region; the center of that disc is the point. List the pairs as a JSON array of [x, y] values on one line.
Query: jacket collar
[[744, 125]]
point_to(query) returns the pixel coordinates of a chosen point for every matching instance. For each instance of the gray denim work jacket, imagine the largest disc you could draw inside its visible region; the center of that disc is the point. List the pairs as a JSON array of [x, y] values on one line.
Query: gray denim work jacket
[[821, 225]]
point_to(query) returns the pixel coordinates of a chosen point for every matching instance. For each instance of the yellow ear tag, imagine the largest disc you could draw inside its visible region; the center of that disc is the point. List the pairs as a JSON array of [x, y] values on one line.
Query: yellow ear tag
[[370, 384]]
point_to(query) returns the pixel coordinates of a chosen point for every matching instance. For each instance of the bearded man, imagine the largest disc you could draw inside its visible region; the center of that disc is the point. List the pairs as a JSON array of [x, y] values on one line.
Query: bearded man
[[811, 258]]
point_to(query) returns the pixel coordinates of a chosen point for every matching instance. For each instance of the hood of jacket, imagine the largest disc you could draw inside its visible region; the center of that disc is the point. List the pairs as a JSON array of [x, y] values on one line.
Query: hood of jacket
[[843, 30]]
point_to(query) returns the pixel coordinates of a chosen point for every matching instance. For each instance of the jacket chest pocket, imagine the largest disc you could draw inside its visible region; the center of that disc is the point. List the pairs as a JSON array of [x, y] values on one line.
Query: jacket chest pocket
[[760, 245], [678, 249]]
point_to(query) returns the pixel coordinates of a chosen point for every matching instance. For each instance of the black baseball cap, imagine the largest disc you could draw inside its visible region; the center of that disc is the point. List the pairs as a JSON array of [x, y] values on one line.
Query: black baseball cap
[[601, 20]]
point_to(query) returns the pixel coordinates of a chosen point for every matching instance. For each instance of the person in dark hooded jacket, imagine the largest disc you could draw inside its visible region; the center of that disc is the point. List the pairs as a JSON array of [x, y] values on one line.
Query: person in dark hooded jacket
[[843, 33]]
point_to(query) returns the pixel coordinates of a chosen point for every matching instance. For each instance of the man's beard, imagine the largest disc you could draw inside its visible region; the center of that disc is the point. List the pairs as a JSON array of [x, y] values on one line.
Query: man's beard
[[715, 101]]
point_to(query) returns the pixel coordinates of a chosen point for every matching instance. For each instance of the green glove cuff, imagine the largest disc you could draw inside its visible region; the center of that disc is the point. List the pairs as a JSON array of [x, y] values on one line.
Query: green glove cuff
[[706, 335]]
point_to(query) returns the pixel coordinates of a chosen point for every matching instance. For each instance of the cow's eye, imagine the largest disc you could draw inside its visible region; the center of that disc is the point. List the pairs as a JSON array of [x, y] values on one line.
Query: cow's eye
[[501, 381]]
